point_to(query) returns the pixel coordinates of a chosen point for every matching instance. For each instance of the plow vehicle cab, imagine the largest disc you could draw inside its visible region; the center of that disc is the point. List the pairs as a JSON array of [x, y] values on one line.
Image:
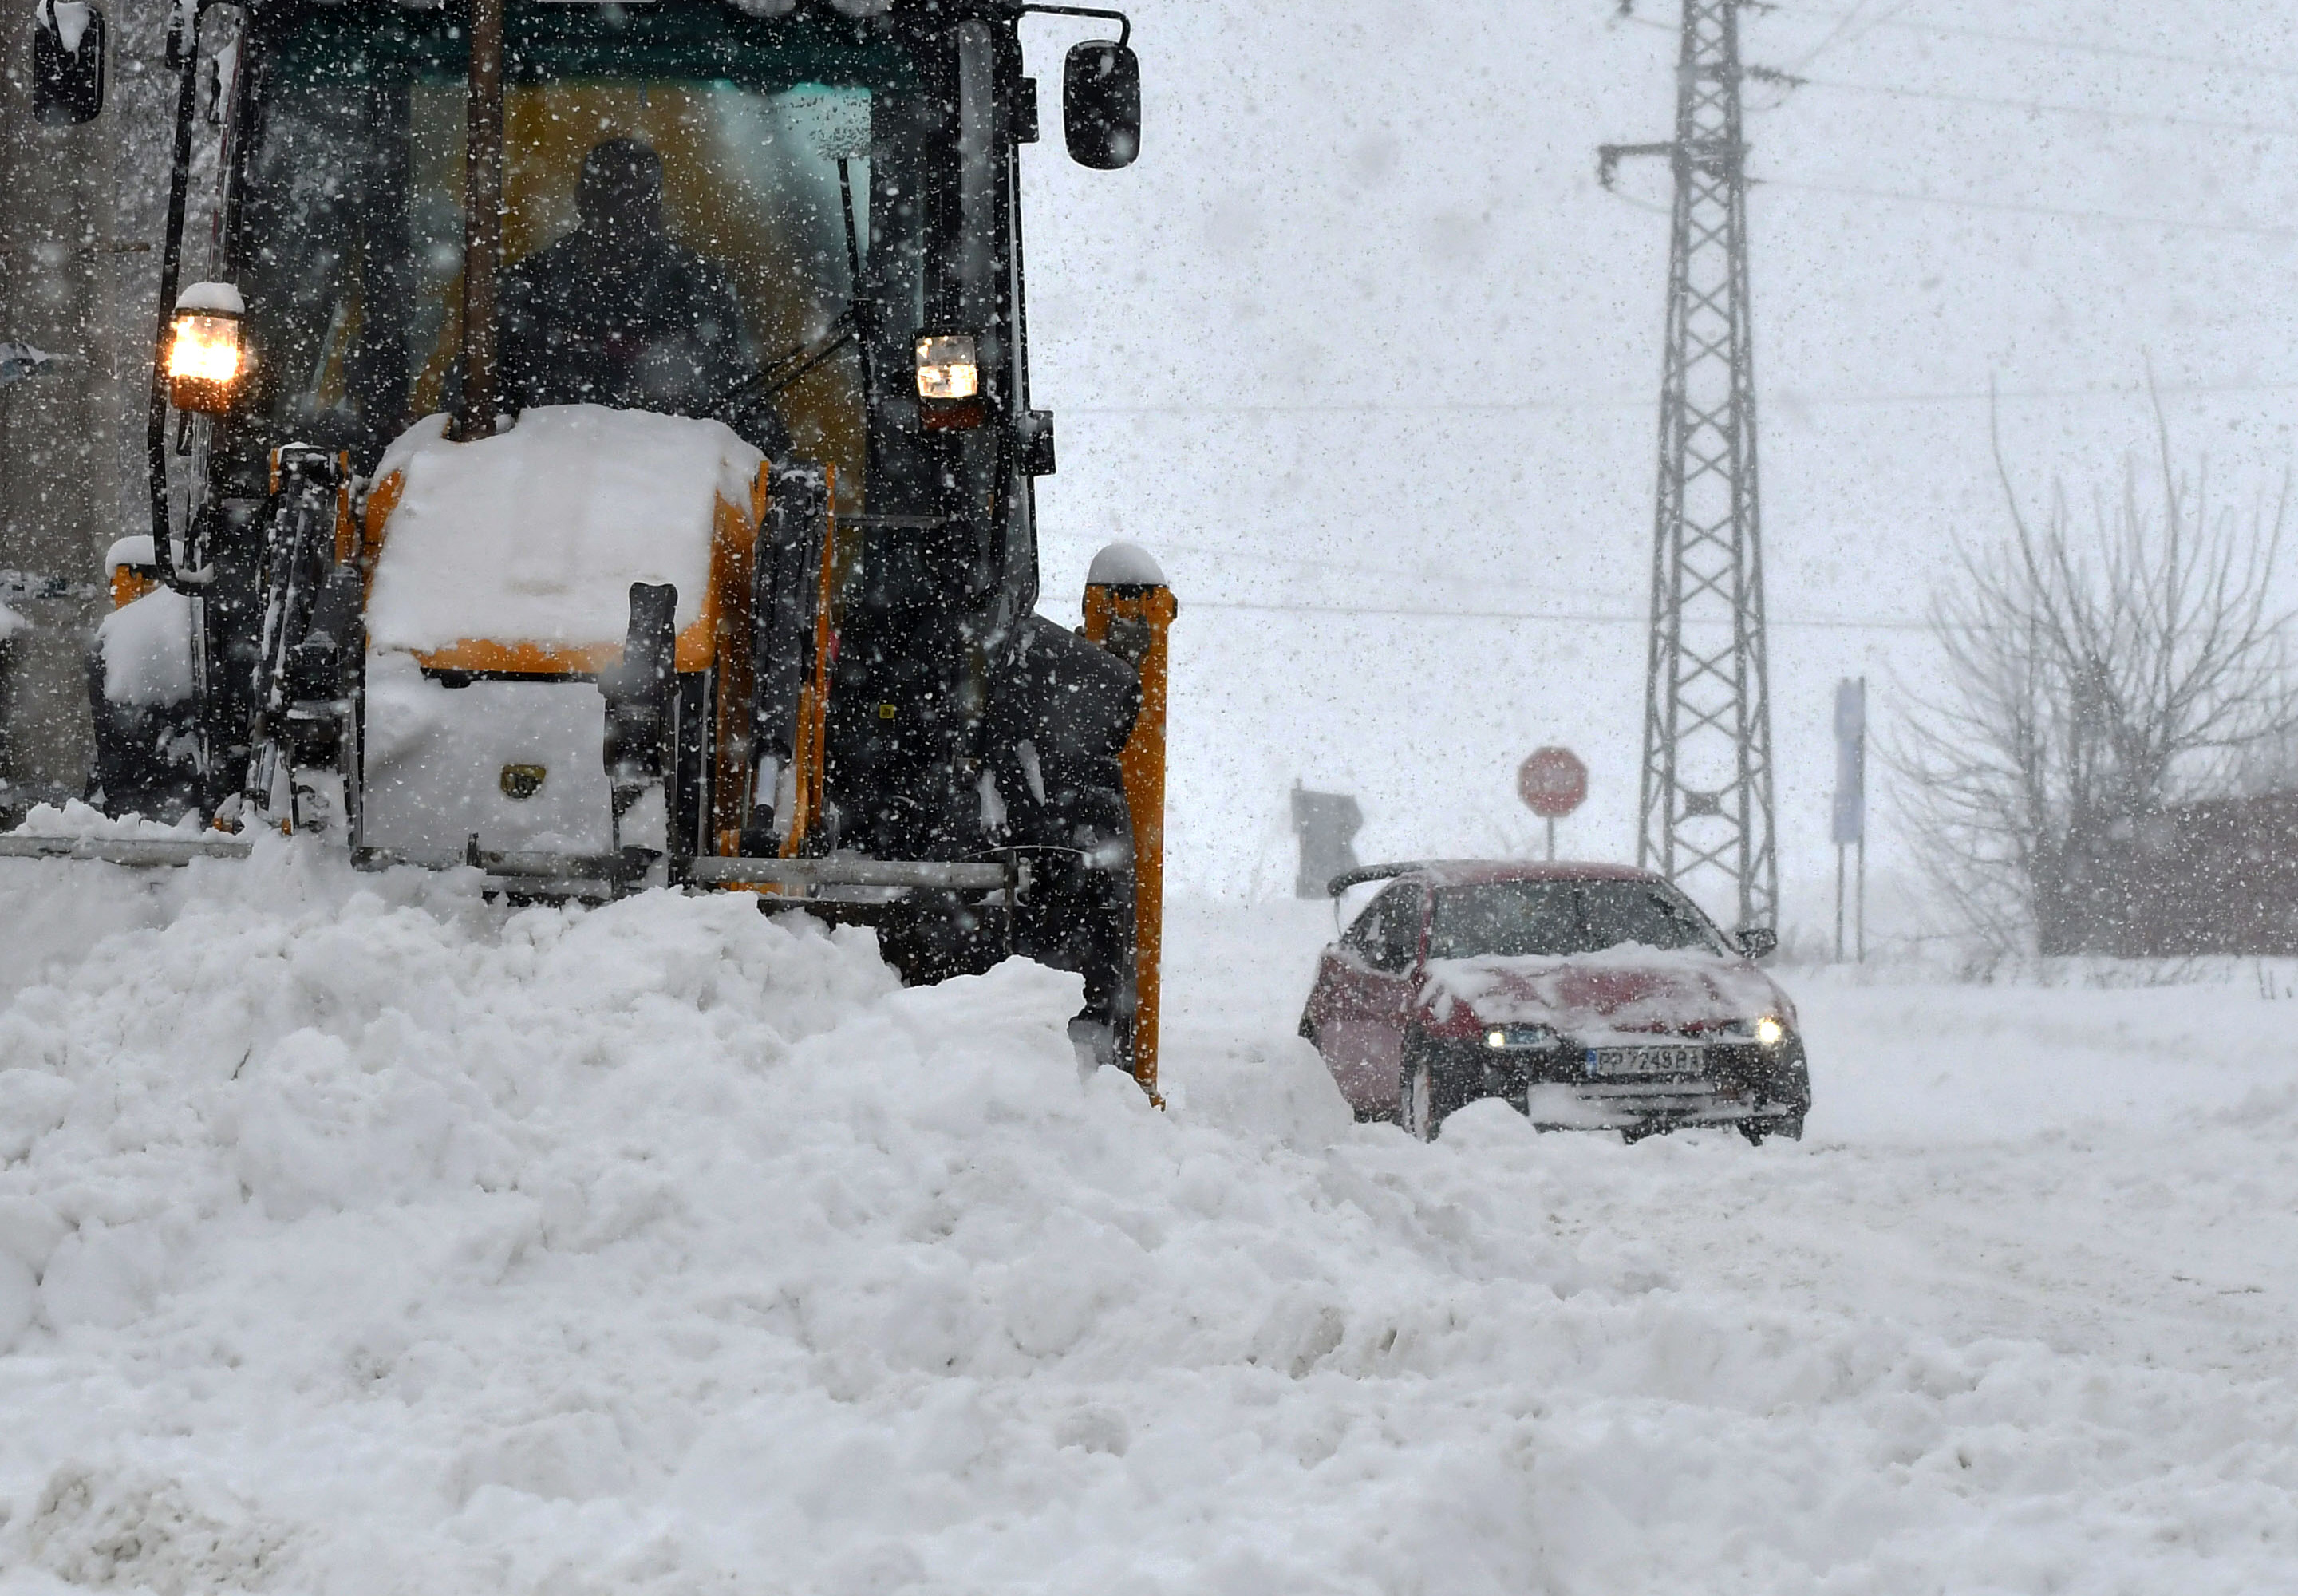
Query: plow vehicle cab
[[592, 442]]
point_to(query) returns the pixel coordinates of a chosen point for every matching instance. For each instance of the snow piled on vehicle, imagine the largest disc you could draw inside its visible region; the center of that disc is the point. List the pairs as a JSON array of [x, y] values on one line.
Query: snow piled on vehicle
[[536, 534], [357, 1236], [73, 818], [1628, 991], [147, 647]]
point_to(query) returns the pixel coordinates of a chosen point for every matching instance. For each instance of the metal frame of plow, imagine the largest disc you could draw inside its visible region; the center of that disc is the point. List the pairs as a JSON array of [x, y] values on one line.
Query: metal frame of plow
[[614, 872], [716, 870], [142, 853]]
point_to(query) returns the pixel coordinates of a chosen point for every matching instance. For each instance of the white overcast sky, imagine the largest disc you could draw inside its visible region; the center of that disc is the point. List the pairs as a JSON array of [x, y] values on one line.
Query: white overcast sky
[[1361, 329]]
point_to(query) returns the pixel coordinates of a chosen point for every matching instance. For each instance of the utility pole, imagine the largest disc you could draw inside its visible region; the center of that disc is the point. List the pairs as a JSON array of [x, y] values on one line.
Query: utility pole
[[1705, 814]]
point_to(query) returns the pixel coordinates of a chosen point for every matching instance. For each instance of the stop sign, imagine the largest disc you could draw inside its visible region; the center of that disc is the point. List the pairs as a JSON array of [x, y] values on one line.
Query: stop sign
[[1552, 782]]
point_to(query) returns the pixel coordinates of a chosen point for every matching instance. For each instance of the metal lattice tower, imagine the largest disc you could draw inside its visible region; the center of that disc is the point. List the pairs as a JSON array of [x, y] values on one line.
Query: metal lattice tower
[[1706, 804]]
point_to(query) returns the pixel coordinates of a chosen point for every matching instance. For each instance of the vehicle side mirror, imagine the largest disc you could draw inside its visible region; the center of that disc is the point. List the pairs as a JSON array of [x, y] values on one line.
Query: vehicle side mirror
[[67, 61], [1101, 104], [1757, 941]]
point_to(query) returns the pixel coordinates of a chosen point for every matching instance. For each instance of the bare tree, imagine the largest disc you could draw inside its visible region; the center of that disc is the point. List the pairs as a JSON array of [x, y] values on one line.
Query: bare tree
[[2097, 667]]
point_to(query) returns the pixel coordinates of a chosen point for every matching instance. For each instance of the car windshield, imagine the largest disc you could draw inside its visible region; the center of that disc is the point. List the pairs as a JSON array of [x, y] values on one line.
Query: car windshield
[[686, 215], [1559, 918]]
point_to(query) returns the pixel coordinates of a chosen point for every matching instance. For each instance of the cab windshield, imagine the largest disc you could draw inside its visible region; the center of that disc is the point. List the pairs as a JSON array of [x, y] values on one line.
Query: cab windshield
[[1559, 918], [695, 204]]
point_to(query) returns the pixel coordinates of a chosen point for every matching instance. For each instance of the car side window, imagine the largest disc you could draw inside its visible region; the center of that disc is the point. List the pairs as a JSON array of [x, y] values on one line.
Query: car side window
[[1395, 942], [1362, 937], [1387, 935]]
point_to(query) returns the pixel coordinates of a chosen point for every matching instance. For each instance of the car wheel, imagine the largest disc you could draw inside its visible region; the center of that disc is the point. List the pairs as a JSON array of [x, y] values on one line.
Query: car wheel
[[1427, 1093], [1754, 1131], [1416, 1099]]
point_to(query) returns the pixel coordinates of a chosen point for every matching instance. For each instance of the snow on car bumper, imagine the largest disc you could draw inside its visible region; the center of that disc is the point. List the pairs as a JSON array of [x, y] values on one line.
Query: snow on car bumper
[[1616, 1105], [1736, 1083]]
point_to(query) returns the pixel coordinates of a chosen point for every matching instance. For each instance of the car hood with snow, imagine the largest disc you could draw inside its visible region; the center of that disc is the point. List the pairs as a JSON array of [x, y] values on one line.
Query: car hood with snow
[[1629, 991]]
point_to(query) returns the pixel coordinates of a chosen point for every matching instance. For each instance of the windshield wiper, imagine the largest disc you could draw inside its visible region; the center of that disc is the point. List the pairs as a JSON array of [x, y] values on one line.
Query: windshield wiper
[[781, 372], [778, 374]]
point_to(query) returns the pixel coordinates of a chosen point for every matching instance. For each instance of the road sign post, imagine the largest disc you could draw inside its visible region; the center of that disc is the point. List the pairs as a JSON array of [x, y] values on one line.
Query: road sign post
[[1851, 800], [1553, 782]]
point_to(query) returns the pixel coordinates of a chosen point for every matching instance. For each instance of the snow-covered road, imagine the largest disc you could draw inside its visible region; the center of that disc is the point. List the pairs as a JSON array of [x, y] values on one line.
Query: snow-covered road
[[358, 1237], [2108, 1171]]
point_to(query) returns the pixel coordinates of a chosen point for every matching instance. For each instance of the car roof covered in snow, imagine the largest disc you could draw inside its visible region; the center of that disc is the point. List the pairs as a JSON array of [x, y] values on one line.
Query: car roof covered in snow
[[1469, 872]]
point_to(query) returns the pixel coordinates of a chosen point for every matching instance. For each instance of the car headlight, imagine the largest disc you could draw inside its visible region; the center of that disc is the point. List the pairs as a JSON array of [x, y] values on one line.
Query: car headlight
[[1518, 1038], [1770, 1032], [204, 362]]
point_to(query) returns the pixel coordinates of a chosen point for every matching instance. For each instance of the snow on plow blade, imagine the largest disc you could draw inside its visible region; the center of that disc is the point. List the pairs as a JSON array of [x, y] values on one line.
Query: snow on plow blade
[[147, 853]]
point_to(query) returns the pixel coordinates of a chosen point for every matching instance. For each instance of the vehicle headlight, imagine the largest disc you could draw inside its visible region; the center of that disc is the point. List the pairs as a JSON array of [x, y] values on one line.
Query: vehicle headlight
[[1770, 1032], [1518, 1038], [204, 361], [948, 369]]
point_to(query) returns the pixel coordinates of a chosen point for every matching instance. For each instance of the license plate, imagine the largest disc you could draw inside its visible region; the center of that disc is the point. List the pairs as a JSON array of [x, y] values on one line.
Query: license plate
[[1612, 1062]]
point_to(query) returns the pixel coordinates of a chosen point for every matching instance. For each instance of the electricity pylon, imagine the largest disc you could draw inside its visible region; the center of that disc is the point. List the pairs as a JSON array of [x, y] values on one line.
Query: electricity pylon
[[1706, 817]]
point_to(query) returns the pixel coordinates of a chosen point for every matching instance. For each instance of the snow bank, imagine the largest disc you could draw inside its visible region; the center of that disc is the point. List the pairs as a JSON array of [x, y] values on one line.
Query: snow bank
[[661, 1236], [362, 1236], [537, 534]]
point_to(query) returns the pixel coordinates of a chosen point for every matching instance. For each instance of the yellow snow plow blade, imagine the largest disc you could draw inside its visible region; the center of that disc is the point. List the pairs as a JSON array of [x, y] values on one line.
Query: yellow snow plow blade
[[1128, 610]]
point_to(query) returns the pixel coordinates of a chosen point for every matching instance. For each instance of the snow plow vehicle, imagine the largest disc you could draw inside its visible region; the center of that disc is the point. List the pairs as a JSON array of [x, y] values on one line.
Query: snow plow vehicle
[[598, 451]]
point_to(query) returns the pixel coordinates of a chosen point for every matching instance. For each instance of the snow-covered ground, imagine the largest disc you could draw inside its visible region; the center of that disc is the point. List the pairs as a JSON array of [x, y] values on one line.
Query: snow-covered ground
[[356, 1236]]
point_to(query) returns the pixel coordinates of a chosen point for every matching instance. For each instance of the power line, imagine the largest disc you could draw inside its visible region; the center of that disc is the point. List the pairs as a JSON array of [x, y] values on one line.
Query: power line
[[1353, 567], [2072, 47], [1361, 408], [1837, 34], [1537, 617], [1483, 579], [1802, 401], [2105, 218], [1982, 396], [2264, 129]]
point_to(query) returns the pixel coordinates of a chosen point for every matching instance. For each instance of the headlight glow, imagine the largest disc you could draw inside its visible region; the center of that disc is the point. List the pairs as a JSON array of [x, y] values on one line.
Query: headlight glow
[[1520, 1038], [949, 370], [204, 362], [206, 348], [1769, 1032]]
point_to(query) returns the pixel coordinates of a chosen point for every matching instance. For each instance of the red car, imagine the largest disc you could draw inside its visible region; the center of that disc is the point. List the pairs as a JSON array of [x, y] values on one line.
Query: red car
[[1587, 995]]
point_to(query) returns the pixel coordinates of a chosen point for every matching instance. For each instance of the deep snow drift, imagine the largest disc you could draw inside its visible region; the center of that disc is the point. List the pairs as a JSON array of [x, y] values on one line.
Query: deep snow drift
[[357, 1236]]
